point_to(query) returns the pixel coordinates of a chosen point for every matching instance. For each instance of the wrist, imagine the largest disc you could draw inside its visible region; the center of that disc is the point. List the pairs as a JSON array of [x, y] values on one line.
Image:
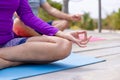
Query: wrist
[[59, 33], [69, 17]]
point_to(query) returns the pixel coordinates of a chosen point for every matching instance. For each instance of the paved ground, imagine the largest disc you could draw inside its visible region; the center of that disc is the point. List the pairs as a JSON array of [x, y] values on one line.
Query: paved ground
[[108, 49]]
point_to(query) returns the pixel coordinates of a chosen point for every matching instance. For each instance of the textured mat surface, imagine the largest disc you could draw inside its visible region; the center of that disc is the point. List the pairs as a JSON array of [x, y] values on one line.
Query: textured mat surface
[[73, 61], [93, 39]]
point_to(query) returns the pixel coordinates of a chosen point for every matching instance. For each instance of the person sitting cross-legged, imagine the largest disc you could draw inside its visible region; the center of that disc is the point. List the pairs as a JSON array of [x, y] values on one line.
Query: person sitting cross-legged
[[52, 45]]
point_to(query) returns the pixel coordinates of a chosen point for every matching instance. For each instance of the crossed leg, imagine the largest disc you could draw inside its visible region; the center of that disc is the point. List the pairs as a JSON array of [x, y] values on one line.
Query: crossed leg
[[39, 49], [61, 24]]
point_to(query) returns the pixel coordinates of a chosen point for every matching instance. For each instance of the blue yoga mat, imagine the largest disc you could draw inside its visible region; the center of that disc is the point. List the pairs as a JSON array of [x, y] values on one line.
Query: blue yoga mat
[[23, 71]]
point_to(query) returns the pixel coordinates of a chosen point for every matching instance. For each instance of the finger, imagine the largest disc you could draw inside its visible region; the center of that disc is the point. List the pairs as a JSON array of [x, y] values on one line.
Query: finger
[[85, 35], [74, 34], [83, 46], [84, 42], [82, 34], [79, 44], [78, 15]]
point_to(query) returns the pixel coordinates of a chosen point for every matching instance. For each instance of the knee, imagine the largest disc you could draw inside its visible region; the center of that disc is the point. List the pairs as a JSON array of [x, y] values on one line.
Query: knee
[[61, 24], [64, 48], [17, 21], [17, 24]]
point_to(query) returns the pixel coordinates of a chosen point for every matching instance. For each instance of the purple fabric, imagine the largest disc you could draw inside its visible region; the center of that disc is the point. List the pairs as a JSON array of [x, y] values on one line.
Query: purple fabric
[[7, 9], [15, 42]]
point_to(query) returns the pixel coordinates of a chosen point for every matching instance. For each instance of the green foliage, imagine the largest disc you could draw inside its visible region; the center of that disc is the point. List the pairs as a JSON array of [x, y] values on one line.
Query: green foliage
[[116, 20], [105, 22], [87, 23], [44, 15], [112, 21], [55, 4]]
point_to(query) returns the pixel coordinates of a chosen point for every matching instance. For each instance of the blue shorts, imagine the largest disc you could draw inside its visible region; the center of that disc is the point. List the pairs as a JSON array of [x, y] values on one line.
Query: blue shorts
[[50, 22], [14, 42]]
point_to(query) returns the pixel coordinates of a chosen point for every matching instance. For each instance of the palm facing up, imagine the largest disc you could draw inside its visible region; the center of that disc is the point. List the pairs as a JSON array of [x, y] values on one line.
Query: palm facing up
[[75, 37]]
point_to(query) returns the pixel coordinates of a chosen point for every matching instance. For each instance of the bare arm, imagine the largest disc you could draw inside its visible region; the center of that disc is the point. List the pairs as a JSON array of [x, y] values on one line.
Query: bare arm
[[59, 14], [74, 37]]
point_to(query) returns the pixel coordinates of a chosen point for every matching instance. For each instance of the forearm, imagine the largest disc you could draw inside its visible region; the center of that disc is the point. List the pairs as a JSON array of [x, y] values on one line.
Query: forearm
[[59, 14]]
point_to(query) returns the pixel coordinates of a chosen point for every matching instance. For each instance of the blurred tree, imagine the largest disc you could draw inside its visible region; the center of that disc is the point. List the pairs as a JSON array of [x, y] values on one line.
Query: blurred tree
[[116, 20], [107, 23], [112, 21], [87, 22]]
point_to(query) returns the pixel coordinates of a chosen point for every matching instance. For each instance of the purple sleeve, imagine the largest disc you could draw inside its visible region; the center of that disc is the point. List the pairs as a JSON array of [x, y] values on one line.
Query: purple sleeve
[[26, 15]]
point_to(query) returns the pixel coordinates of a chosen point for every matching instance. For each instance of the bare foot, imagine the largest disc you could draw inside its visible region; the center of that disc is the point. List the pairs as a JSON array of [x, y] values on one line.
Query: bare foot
[[5, 63]]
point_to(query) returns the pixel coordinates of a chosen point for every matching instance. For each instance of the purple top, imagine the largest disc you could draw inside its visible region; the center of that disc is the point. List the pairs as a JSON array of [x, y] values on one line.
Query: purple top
[[7, 9]]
